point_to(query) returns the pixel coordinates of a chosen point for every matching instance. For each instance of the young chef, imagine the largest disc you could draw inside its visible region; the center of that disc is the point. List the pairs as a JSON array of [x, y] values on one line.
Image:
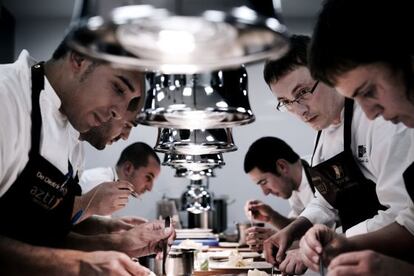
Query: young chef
[[357, 164], [41, 158], [106, 189], [277, 170], [378, 74]]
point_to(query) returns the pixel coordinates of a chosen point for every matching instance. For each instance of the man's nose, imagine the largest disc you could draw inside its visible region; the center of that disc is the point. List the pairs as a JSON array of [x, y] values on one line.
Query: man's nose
[[265, 191], [372, 111], [299, 109], [115, 113]]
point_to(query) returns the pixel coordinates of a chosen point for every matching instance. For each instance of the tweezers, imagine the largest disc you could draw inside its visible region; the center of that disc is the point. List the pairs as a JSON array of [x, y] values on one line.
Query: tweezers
[[167, 225], [321, 267]]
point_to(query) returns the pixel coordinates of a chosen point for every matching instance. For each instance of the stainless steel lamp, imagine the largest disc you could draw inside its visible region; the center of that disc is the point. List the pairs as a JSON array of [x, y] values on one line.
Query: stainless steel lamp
[[194, 175], [196, 141], [199, 101], [177, 36], [194, 162]]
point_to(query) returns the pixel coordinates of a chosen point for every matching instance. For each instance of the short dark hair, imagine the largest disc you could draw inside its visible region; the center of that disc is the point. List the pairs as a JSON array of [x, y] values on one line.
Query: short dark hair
[[264, 153], [138, 154], [295, 57], [349, 33]]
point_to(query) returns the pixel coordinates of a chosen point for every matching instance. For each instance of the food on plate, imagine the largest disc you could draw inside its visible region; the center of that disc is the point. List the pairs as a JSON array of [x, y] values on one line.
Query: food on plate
[[256, 272], [189, 244], [236, 259]]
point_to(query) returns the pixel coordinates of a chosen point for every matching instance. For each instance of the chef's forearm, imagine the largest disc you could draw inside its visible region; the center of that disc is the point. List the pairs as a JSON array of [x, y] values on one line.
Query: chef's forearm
[[93, 242], [94, 225], [279, 221], [393, 240], [18, 258]]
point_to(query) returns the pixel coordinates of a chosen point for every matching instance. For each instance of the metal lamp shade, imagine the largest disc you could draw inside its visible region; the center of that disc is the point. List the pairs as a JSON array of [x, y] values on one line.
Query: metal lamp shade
[[194, 37], [198, 175], [196, 141], [201, 101], [194, 162]]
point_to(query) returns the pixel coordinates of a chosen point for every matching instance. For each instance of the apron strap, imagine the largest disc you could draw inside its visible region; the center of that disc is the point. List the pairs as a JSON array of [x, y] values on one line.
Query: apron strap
[[307, 175], [38, 84], [348, 114], [318, 136]]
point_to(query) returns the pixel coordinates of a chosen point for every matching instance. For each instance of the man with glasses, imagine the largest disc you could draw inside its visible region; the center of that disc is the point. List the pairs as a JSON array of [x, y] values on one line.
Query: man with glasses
[[356, 166]]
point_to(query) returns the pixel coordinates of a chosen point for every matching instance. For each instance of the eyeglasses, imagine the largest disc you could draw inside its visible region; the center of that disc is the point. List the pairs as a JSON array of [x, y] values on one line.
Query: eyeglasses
[[287, 105]]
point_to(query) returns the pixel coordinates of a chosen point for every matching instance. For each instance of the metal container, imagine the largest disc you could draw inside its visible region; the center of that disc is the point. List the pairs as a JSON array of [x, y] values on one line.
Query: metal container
[[180, 263]]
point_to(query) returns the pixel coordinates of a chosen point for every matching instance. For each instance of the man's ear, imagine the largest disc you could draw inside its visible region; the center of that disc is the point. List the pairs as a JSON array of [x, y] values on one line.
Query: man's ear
[[76, 61], [282, 166], [127, 168]]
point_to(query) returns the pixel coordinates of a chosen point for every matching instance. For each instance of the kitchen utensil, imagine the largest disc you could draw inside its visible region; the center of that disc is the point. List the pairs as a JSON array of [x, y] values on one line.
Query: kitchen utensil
[[167, 225], [322, 269], [180, 263]]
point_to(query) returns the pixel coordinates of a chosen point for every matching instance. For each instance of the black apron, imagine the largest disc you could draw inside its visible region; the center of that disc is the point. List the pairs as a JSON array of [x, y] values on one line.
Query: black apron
[[340, 181], [306, 167], [37, 208], [408, 176]]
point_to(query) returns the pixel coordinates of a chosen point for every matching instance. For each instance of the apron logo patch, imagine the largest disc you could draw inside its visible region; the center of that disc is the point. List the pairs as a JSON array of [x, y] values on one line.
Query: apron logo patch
[[362, 153], [338, 172]]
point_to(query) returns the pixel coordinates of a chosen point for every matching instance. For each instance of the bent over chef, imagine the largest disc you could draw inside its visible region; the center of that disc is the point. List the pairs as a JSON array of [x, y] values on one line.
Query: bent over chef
[[44, 107], [357, 164]]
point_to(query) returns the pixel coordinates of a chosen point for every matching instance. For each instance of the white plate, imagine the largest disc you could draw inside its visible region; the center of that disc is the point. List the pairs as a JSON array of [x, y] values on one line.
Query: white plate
[[229, 244], [226, 254], [252, 265]]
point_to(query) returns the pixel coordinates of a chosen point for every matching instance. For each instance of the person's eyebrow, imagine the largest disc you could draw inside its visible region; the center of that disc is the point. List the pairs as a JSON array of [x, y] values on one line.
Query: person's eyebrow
[[358, 90], [126, 82], [151, 174], [299, 85]]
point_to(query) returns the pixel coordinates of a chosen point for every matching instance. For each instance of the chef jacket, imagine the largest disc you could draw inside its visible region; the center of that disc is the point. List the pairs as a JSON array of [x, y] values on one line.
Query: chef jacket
[[93, 177], [300, 198], [382, 150], [59, 140]]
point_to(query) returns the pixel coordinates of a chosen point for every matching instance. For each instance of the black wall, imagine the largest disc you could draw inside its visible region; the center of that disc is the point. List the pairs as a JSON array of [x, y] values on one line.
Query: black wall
[[7, 25]]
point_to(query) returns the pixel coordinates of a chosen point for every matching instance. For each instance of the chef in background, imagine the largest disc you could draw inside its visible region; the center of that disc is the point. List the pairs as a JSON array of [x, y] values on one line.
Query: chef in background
[[107, 189], [379, 75], [45, 106], [273, 166], [357, 175]]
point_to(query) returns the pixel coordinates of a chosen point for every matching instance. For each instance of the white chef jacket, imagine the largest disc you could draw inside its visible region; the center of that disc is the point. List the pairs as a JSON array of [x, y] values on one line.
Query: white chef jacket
[[59, 140], [383, 151], [93, 177], [300, 198]]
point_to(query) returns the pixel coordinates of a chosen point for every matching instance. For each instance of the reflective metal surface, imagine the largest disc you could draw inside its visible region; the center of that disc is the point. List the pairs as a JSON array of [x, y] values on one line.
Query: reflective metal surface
[[194, 162], [194, 175], [200, 101], [196, 141], [176, 40], [196, 199]]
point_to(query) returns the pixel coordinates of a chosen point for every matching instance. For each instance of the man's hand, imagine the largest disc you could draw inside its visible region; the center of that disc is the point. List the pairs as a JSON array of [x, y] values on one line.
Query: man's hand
[[276, 246], [257, 210], [319, 241], [293, 264], [255, 236], [110, 263], [368, 263], [145, 239]]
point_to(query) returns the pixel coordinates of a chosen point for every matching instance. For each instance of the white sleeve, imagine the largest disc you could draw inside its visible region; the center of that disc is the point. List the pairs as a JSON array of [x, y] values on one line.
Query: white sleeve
[[12, 139], [390, 154], [406, 219], [319, 211]]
